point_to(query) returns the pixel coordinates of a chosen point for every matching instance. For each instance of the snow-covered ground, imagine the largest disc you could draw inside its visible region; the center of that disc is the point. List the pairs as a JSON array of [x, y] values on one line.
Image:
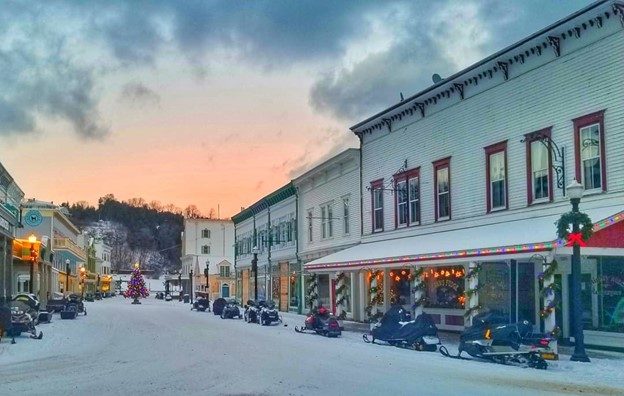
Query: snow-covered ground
[[163, 348]]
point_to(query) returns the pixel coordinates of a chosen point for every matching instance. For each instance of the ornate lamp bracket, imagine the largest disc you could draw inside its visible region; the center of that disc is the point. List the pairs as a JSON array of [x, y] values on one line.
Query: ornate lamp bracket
[[557, 155]]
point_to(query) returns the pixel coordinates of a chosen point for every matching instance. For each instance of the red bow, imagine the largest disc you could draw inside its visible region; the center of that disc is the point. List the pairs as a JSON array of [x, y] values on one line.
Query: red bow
[[576, 238]]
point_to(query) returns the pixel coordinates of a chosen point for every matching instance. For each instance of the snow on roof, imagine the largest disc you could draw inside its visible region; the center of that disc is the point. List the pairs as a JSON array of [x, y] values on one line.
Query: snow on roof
[[526, 231]]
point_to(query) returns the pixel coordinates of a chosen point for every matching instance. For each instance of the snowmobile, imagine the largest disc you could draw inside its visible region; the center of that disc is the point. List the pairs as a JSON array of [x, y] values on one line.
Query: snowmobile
[[493, 338], [268, 313], [76, 301], [22, 321], [30, 300], [322, 322], [251, 312], [201, 304], [397, 328], [231, 310]]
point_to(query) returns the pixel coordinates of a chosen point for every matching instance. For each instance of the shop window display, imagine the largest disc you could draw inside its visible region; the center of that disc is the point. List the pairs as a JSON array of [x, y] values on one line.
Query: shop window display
[[495, 291], [445, 287], [400, 289], [608, 289]]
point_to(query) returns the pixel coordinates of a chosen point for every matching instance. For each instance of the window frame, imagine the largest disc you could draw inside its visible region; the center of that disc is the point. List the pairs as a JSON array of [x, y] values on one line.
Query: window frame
[[206, 233], [439, 165], [205, 249], [374, 186], [406, 177], [494, 149], [346, 209], [583, 122], [529, 139], [309, 216]]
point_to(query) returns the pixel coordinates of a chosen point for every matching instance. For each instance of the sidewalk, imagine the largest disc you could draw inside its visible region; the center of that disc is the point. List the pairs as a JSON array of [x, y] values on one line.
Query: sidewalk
[[452, 338]]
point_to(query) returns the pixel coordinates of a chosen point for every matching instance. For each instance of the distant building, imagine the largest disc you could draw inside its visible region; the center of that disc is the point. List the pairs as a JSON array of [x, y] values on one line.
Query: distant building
[[209, 242], [10, 199]]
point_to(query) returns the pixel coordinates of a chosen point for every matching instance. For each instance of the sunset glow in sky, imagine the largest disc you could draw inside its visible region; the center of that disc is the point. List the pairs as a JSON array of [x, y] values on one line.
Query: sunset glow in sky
[[219, 103]]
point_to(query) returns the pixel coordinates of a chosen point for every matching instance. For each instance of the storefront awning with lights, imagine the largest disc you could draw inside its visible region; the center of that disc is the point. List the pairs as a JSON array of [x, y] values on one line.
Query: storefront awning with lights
[[520, 237]]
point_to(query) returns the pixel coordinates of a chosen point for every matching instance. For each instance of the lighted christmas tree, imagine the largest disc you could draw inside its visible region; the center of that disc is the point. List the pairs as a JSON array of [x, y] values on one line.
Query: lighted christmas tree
[[136, 286]]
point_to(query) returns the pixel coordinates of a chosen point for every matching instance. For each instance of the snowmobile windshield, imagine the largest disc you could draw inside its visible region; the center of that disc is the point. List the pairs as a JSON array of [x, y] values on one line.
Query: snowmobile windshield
[[19, 306], [396, 314]]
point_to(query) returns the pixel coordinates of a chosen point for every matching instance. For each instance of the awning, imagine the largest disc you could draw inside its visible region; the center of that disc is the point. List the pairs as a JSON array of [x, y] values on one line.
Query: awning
[[527, 235]]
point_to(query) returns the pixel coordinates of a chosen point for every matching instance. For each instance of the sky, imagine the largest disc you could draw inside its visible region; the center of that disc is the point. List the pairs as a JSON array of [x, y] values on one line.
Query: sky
[[218, 103]]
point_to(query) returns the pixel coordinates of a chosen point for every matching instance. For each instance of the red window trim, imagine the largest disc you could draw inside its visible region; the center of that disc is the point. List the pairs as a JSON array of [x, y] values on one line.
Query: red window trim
[[375, 184], [530, 138], [583, 121], [489, 150], [405, 176], [440, 164]]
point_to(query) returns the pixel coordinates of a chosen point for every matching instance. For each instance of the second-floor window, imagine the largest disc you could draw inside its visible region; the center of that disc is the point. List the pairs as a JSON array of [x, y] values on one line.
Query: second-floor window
[[590, 151], [377, 197], [224, 271], [327, 222], [310, 235], [345, 215], [496, 176], [205, 249], [205, 233], [539, 170], [407, 187], [442, 184]]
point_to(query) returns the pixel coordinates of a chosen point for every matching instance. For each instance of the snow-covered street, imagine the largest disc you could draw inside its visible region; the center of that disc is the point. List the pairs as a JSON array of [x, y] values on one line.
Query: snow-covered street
[[164, 348]]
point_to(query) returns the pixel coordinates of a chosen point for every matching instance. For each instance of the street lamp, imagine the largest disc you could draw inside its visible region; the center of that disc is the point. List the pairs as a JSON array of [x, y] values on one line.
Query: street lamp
[[207, 275], [191, 284], [33, 257], [67, 272], [254, 268], [575, 192], [180, 286]]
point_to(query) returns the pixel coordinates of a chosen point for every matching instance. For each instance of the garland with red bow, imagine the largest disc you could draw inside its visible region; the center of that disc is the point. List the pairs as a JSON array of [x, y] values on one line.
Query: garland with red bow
[[574, 238]]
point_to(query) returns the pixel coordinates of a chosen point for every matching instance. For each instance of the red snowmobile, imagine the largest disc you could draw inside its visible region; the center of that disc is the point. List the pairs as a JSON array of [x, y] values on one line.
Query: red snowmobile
[[322, 322]]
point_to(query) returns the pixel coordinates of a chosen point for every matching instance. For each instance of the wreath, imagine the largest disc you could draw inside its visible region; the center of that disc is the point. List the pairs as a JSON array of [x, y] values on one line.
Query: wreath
[[585, 223]]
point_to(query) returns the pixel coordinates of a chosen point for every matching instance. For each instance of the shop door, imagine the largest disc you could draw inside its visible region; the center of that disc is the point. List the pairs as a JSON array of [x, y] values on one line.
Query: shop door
[[225, 290], [526, 292]]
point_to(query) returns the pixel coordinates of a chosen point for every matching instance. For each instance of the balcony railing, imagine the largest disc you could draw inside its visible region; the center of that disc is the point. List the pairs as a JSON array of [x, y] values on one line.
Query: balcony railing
[[68, 244]]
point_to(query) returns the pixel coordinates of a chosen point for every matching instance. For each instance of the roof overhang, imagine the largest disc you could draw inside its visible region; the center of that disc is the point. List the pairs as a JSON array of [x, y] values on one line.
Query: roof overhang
[[512, 239]]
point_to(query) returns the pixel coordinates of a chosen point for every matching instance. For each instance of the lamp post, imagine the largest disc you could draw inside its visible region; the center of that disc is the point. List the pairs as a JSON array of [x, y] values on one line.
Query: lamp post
[[207, 275], [575, 192], [67, 272], [33, 257], [191, 284], [254, 268]]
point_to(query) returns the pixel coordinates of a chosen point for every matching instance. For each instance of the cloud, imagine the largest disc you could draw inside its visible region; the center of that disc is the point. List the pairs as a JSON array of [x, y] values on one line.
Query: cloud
[[140, 94]]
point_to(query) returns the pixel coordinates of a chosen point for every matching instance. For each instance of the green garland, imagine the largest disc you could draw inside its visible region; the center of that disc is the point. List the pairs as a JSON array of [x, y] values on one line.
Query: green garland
[[471, 292], [472, 310], [311, 291], [473, 272], [342, 295], [547, 291], [376, 298], [563, 225], [419, 286]]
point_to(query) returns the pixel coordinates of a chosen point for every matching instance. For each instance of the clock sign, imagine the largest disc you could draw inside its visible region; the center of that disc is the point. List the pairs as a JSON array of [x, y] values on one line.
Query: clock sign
[[33, 218]]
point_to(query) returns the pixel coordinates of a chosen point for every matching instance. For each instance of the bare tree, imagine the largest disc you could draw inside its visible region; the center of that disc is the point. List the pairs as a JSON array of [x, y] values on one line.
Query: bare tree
[[212, 213], [192, 212]]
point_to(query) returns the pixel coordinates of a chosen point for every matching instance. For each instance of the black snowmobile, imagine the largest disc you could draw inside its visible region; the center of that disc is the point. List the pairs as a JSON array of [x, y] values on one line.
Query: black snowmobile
[[322, 322], [231, 310], [493, 338], [397, 328], [75, 301], [252, 310], [268, 313], [201, 304], [22, 321]]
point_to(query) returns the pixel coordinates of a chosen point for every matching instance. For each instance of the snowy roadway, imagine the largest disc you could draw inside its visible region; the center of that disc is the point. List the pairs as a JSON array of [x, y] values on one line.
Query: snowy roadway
[[163, 348]]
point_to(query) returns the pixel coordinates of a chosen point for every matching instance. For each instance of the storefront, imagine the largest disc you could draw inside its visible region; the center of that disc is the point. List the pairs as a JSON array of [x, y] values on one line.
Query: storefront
[[508, 278]]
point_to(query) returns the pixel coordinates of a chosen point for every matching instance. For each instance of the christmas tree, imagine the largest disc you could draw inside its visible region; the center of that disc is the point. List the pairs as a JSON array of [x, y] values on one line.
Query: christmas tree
[[136, 286]]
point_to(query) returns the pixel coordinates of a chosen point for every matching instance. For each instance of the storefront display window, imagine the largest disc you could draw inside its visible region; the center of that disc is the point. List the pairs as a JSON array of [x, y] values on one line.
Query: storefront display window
[[608, 289], [445, 287], [400, 286], [495, 291]]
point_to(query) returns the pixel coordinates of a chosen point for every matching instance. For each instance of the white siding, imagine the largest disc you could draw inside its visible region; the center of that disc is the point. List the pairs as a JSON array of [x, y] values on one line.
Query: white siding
[[545, 91]]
